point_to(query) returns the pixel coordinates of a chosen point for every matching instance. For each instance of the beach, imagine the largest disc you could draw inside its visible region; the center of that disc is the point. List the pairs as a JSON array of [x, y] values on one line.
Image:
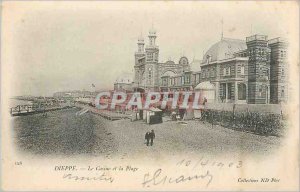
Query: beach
[[63, 133]]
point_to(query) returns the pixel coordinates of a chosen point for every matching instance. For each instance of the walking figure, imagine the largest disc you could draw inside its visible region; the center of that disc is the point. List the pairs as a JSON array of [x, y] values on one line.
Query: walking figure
[[147, 137], [204, 101], [152, 136]]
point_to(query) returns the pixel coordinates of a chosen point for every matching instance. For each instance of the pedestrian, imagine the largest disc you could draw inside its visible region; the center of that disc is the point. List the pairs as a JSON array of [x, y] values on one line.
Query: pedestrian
[[173, 116], [147, 137], [204, 101], [152, 136], [222, 99]]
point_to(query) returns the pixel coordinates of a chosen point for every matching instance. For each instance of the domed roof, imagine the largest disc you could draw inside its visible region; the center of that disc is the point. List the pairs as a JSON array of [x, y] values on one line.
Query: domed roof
[[152, 31], [125, 78], [206, 85], [170, 62], [183, 60], [140, 38], [224, 49]]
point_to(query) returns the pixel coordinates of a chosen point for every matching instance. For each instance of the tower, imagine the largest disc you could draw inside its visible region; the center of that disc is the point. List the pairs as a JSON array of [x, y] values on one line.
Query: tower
[[278, 71], [139, 62], [151, 65], [258, 69]]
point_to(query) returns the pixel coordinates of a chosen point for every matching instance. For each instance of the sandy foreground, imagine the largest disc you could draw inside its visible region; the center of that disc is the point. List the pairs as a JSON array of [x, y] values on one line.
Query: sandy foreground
[[62, 133]]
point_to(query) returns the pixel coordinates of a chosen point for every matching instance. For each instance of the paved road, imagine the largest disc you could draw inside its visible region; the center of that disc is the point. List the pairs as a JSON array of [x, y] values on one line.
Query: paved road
[[192, 138], [63, 133]]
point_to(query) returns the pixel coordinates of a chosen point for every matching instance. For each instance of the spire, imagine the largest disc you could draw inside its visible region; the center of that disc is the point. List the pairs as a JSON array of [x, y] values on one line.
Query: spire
[[152, 36], [141, 38]]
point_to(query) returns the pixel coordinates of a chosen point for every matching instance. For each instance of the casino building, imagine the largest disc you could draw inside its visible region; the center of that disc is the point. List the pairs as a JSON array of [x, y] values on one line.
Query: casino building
[[252, 70]]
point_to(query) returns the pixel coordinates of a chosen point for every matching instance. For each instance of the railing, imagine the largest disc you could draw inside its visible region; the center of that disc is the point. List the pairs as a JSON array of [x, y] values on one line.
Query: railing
[[21, 109], [256, 37], [277, 40], [31, 109]]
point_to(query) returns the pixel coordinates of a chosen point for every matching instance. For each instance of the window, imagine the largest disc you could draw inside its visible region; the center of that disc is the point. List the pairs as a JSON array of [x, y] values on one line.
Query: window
[[208, 58], [260, 91], [212, 72], [165, 81], [150, 72], [187, 79], [149, 56], [241, 91], [156, 56], [227, 71], [242, 70], [282, 91]]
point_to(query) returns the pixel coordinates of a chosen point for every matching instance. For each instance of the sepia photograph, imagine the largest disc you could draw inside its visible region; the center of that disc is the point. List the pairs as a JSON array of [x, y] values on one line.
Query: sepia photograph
[[150, 95]]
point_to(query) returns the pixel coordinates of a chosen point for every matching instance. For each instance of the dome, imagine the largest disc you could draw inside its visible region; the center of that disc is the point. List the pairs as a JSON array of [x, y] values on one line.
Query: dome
[[183, 61], [141, 39], [152, 31], [125, 78], [224, 49], [170, 62], [206, 85]]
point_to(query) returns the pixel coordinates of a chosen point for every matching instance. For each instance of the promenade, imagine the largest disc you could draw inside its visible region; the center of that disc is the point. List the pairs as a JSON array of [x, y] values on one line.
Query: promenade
[[62, 133]]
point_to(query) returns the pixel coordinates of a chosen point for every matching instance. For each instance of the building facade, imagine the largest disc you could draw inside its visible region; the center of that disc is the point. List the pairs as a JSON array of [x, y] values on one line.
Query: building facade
[[252, 71], [124, 82], [148, 72]]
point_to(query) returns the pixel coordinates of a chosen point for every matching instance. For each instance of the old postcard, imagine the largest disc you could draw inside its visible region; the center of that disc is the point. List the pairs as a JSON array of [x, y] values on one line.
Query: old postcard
[[150, 96]]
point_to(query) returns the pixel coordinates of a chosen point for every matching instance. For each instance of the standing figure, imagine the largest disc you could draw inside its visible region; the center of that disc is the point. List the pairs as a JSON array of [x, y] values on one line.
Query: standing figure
[[204, 101], [147, 137], [152, 136]]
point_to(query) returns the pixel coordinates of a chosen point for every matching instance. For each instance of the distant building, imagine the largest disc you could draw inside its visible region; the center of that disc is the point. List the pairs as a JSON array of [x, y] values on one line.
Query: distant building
[[73, 94], [124, 82]]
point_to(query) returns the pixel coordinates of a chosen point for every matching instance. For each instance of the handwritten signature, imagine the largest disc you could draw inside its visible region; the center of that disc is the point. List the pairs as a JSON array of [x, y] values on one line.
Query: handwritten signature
[[158, 179], [102, 177]]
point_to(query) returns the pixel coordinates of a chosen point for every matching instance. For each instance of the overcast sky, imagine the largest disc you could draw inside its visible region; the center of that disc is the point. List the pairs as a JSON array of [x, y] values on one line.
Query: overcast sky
[[57, 46]]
